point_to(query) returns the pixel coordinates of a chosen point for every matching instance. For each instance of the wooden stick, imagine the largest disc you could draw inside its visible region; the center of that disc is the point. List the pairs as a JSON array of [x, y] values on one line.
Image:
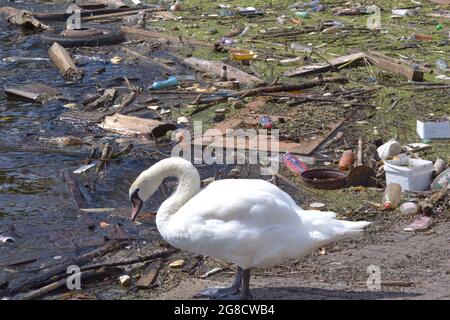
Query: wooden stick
[[87, 275], [45, 278], [360, 152], [157, 255]]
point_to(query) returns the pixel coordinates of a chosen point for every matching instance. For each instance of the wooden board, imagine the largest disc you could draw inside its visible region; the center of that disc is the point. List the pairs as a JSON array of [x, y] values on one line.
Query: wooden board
[[323, 67], [160, 37], [134, 125], [33, 91], [264, 143], [395, 66], [216, 67]]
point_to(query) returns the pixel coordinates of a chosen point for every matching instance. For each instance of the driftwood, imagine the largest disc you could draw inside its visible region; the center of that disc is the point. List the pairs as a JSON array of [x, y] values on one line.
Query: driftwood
[[37, 92], [164, 38], [133, 125], [147, 61], [46, 278], [157, 255], [118, 14], [216, 68], [334, 63], [277, 88], [395, 66], [105, 100], [22, 18], [62, 283], [64, 63]]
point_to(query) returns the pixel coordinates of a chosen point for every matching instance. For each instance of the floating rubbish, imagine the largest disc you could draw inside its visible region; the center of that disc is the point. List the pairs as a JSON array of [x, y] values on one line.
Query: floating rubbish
[[421, 223], [6, 239], [85, 168], [23, 59], [170, 82], [404, 12], [439, 27], [291, 61], [391, 196], [293, 163], [116, 60]]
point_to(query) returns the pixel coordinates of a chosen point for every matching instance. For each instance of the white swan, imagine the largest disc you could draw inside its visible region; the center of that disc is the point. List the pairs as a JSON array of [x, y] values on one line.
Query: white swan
[[252, 223]]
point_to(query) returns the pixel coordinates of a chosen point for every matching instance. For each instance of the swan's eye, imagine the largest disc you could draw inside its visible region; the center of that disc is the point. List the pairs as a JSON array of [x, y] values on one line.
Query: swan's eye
[[135, 196]]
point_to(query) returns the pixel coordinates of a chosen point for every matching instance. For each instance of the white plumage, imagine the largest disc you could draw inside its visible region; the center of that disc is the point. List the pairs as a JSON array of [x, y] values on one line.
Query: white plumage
[[252, 223]]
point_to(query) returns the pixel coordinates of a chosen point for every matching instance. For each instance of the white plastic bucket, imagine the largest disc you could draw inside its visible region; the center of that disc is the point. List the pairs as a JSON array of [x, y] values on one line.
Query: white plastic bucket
[[414, 177]]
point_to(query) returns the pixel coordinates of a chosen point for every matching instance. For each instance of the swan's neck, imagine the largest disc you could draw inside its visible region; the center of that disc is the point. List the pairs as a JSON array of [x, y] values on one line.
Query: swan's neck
[[188, 186]]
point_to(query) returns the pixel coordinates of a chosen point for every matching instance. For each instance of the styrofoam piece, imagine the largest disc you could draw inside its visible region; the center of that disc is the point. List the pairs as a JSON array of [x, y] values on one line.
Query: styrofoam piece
[[433, 129]]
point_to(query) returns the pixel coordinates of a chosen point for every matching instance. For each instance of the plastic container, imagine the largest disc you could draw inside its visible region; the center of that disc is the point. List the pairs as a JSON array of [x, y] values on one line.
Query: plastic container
[[294, 163], [442, 180], [415, 176], [391, 196], [266, 122], [170, 82], [439, 166], [389, 149], [242, 54], [347, 160], [433, 129]]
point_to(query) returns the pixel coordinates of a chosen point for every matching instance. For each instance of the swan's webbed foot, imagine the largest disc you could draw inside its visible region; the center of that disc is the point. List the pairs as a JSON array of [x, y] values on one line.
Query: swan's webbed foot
[[239, 290], [218, 292]]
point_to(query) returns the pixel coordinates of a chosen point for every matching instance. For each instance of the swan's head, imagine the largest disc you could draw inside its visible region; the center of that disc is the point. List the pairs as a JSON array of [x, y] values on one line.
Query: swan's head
[[142, 189]]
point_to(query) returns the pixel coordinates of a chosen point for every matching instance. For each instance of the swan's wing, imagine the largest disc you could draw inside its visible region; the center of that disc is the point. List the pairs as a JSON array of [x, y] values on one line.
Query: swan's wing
[[257, 202]]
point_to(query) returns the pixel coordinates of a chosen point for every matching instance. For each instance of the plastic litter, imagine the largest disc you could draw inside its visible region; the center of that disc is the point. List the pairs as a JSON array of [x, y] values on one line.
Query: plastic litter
[[389, 149], [391, 196], [408, 208], [6, 239], [294, 163], [170, 82]]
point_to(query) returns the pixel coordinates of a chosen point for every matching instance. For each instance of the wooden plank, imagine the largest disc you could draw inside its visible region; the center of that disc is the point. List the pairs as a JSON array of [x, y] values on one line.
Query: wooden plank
[[444, 2], [134, 125], [264, 143], [323, 67], [216, 68], [33, 91], [149, 275], [395, 66], [160, 37]]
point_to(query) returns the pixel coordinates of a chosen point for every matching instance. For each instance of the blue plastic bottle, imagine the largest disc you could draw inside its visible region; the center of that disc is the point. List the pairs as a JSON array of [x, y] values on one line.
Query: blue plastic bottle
[[170, 82]]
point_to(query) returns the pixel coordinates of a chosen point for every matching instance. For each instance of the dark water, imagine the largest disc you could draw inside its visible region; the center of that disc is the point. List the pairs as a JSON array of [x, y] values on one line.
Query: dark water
[[35, 205]]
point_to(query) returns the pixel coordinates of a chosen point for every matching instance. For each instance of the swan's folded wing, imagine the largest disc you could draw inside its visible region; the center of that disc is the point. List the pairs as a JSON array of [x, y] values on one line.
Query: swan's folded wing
[[256, 202]]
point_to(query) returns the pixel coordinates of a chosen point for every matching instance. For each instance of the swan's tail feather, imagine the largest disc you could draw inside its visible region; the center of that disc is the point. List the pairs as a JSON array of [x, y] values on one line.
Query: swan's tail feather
[[325, 227]]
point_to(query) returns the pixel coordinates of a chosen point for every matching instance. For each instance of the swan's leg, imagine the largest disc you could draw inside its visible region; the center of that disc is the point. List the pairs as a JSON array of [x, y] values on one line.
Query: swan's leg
[[219, 293], [245, 290]]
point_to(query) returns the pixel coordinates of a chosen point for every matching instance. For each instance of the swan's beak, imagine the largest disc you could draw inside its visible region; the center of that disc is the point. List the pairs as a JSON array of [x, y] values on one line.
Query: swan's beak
[[136, 207]]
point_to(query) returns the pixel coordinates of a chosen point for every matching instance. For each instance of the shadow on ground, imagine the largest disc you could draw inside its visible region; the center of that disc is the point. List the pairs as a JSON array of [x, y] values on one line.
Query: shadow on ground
[[303, 293]]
